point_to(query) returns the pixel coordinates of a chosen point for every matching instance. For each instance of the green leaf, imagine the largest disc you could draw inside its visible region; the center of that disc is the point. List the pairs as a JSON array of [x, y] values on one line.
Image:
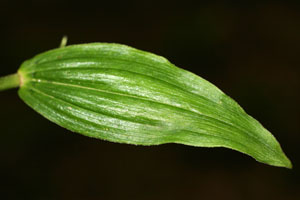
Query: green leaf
[[120, 94]]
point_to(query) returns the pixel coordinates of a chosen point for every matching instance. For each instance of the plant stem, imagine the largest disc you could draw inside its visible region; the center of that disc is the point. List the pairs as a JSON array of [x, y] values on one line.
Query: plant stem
[[9, 81]]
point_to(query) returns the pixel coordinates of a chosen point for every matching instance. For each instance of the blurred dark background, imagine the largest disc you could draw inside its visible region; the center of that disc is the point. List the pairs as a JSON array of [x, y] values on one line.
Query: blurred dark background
[[249, 50]]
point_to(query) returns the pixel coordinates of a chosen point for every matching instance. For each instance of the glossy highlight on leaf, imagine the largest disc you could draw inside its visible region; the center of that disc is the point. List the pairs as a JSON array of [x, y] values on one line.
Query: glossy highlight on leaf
[[120, 94]]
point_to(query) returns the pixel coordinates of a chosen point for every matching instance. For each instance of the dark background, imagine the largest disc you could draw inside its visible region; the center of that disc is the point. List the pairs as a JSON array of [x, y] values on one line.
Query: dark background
[[249, 50]]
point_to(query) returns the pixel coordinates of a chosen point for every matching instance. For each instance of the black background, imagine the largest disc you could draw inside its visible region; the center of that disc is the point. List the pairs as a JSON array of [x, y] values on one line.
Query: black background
[[249, 50]]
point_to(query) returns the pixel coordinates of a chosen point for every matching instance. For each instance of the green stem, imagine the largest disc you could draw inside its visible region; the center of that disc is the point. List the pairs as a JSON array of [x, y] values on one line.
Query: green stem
[[9, 81]]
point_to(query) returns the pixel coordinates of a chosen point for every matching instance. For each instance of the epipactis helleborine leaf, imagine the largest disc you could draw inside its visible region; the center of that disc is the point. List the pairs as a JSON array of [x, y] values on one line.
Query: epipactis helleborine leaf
[[120, 94]]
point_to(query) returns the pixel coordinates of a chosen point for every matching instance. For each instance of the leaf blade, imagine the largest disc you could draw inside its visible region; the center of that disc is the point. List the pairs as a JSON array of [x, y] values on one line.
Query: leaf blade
[[121, 94]]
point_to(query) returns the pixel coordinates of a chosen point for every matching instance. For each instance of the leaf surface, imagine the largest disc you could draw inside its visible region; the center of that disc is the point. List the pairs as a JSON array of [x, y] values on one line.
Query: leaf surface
[[121, 94]]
